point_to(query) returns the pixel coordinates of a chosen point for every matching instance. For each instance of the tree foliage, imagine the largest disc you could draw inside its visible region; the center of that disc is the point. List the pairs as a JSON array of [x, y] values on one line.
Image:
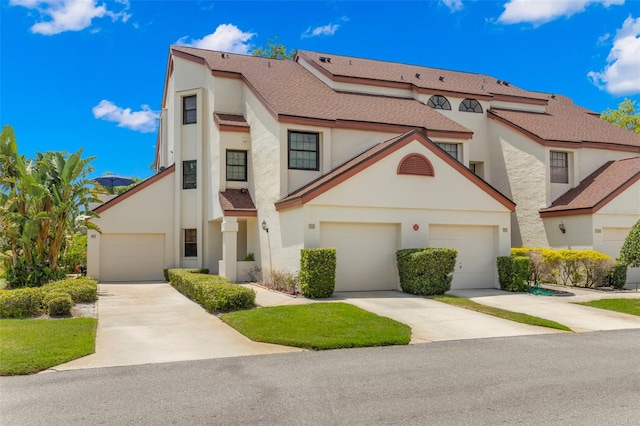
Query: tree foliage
[[630, 251], [40, 201], [274, 50], [625, 116]]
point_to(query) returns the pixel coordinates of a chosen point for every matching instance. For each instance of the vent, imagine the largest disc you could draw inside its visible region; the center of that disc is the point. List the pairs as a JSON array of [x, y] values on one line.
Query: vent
[[415, 164], [325, 59]]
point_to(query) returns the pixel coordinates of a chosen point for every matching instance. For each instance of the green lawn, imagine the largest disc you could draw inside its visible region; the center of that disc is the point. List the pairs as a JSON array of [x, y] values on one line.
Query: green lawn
[[319, 326], [32, 345], [463, 302], [626, 306]]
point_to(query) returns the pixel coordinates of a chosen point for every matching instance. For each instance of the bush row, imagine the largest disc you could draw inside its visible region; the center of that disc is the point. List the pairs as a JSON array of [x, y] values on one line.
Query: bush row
[[582, 268], [426, 271], [55, 299], [317, 272], [513, 272], [212, 292]]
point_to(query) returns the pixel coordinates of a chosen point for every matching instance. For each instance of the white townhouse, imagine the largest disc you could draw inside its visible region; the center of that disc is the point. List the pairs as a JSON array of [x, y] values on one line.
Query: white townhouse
[[267, 156]]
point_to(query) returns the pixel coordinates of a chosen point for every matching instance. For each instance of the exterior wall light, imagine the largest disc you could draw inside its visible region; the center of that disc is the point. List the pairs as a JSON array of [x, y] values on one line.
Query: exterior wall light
[[264, 226], [563, 229]]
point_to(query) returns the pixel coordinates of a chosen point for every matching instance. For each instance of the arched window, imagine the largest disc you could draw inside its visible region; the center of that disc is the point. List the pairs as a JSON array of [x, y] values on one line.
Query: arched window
[[415, 164], [470, 105], [439, 102]]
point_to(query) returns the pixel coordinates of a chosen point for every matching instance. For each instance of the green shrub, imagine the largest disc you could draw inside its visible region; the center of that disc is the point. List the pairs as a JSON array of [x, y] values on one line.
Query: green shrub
[[630, 250], [57, 304], [317, 272], [193, 270], [513, 272], [212, 292], [20, 303], [426, 271], [75, 254], [23, 275], [81, 290], [616, 276]]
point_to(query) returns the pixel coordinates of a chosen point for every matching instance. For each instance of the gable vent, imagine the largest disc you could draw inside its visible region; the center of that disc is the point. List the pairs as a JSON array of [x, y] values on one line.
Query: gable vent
[[415, 164]]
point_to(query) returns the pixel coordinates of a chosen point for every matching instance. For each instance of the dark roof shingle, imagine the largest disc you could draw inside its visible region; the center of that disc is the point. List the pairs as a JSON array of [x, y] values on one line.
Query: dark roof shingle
[[237, 202]]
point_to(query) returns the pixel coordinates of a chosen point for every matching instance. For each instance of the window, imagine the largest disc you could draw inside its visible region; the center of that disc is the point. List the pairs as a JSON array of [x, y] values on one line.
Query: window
[[303, 151], [190, 243], [189, 179], [450, 148], [477, 168], [470, 105], [559, 167], [439, 102], [189, 110], [237, 165]]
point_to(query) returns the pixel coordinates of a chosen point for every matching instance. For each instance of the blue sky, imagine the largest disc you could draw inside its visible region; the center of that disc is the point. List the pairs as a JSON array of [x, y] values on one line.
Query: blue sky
[[90, 74]]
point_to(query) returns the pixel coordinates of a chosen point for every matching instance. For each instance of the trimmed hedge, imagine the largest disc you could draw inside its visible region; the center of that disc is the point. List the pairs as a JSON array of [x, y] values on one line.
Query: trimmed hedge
[[21, 302], [57, 304], [193, 270], [81, 290], [317, 272], [513, 272], [427, 271], [214, 293]]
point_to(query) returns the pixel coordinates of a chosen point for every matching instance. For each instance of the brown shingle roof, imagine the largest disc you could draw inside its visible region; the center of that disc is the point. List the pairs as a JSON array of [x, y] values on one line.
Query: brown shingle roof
[[597, 189], [371, 156], [237, 202], [235, 120], [429, 78], [288, 89], [565, 121]]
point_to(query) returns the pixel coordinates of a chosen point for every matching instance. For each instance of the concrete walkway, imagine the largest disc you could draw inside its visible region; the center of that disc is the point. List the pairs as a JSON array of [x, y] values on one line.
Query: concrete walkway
[[153, 323]]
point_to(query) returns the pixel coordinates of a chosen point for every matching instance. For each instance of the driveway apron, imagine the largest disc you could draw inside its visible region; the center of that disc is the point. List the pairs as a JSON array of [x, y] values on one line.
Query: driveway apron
[[153, 323]]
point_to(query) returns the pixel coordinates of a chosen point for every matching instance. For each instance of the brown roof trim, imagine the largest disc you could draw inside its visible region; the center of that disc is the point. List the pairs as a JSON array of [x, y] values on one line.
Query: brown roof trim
[[464, 95], [519, 99], [568, 212], [150, 181], [395, 144], [226, 74], [240, 213], [189, 57], [225, 125], [558, 143]]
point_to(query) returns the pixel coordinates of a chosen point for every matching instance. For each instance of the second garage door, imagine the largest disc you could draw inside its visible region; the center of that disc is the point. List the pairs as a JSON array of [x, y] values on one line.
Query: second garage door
[[131, 257], [476, 261], [366, 254]]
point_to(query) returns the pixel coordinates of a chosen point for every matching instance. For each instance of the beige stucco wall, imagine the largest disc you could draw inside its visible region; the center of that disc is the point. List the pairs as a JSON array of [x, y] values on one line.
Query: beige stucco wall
[[578, 232], [148, 211]]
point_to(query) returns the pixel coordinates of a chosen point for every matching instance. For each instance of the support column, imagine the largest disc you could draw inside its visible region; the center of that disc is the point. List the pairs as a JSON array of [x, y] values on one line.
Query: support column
[[229, 262]]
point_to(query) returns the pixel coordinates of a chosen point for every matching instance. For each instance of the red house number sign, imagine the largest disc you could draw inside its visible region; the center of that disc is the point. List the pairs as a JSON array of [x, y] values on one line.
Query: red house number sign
[[416, 227]]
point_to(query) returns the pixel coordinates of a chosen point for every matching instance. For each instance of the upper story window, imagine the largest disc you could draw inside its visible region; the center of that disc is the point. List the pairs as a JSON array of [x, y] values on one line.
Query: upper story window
[[237, 165], [189, 172], [439, 102], [190, 243], [304, 150], [470, 105], [189, 109], [559, 163], [451, 149]]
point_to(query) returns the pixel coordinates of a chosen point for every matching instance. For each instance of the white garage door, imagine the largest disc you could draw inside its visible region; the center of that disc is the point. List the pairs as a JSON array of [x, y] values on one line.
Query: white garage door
[[366, 254], [612, 240], [477, 252], [131, 257]]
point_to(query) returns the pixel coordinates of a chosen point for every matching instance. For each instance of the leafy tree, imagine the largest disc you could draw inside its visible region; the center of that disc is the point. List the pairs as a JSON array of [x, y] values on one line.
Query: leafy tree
[[630, 251], [274, 50], [625, 116], [40, 202]]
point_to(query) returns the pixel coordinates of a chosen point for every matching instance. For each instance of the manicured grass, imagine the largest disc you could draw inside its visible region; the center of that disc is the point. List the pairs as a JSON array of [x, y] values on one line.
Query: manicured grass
[[463, 302], [32, 345], [319, 326], [626, 306]]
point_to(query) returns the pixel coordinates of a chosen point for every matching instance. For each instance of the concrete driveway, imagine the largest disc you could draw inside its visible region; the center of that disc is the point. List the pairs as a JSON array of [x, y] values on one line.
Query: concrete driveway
[[153, 323]]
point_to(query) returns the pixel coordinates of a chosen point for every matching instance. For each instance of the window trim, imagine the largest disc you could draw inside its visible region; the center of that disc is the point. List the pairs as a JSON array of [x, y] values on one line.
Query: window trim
[[235, 165], [317, 150], [445, 106], [187, 242], [185, 110], [458, 156], [187, 182], [470, 106], [564, 169]]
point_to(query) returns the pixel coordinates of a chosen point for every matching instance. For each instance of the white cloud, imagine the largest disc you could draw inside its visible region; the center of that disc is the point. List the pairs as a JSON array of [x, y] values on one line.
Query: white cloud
[[539, 12], [453, 5], [621, 76], [227, 38], [329, 29], [57, 16], [141, 121]]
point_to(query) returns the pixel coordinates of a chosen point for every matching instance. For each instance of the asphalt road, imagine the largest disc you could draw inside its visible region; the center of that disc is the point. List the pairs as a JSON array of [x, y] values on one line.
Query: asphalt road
[[566, 379]]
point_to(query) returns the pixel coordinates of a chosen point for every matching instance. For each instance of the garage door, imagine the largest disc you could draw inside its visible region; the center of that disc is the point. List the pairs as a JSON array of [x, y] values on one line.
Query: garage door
[[131, 257], [366, 254], [477, 252], [612, 240]]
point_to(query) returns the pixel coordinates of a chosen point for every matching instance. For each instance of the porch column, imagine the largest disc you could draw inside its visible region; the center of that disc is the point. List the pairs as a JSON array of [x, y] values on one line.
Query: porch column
[[229, 229]]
